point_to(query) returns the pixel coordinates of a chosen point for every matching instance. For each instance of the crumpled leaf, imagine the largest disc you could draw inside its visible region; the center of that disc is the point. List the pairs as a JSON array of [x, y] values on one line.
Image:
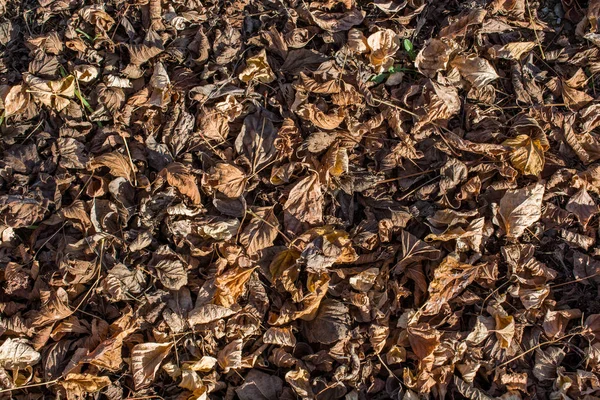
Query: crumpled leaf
[[230, 357], [583, 206], [383, 45], [227, 179], [478, 71], [258, 68], [527, 153], [17, 354], [54, 94], [145, 361], [321, 119], [434, 57], [256, 139], [337, 22], [519, 209], [450, 278], [260, 386], [262, 230], [15, 100], [330, 324], [118, 164], [170, 269], [179, 176], [304, 203]]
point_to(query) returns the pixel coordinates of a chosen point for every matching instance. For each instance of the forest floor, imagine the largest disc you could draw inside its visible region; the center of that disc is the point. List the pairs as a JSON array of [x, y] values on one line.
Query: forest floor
[[282, 199]]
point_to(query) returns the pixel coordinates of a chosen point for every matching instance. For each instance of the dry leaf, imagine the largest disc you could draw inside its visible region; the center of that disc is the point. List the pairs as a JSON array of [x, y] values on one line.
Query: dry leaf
[[262, 230], [527, 153], [145, 361], [434, 57], [519, 209], [478, 71], [227, 179], [54, 94], [258, 68], [17, 354], [119, 165], [15, 100], [230, 357], [383, 45], [304, 203], [180, 177]]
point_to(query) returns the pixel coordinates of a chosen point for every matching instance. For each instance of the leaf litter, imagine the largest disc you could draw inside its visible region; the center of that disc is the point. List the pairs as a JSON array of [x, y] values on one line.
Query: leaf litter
[[337, 199]]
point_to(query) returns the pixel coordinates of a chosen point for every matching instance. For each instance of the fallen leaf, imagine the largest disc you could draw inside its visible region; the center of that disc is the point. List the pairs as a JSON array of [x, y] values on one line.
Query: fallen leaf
[[519, 209], [145, 361]]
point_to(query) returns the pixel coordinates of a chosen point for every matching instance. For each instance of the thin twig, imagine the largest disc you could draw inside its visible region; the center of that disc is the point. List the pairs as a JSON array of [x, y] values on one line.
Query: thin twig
[[515, 358]]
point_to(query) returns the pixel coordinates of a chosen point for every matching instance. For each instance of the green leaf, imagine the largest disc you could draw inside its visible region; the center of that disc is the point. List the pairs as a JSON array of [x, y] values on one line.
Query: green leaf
[[379, 78], [410, 49]]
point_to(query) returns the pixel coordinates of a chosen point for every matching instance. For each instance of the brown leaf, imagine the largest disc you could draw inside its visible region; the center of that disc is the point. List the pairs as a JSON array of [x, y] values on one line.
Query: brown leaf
[[478, 71], [169, 267], [118, 164], [262, 230], [304, 203], [330, 323], [145, 361], [583, 206], [260, 386], [54, 94], [383, 45], [17, 354], [227, 179], [450, 278], [337, 22], [519, 209], [230, 357], [230, 285], [15, 100], [207, 313], [80, 384], [320, 119], [280, 336], [256, 138], [180, 177], [527, 153], [414, 250], [511, 51], [258, 68], [460, 26], [150, 48], [586, 145], [434, 57], [423, 339]]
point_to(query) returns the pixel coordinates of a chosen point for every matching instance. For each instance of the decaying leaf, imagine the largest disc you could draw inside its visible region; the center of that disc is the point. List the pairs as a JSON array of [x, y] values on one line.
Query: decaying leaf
[[304, 203], [383, 45], [323, 200], [118, 164], [519, 209], [179, 176], [478, 71], [262, 230], [145, 361], [258, 68], [54, 94], [17, 354]]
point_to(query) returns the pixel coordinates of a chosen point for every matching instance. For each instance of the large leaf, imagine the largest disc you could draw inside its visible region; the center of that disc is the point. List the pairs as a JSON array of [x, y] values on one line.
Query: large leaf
[[17, 353], [145, 361], [519, 209], [256, 138], [527, 153], [261, 231]]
